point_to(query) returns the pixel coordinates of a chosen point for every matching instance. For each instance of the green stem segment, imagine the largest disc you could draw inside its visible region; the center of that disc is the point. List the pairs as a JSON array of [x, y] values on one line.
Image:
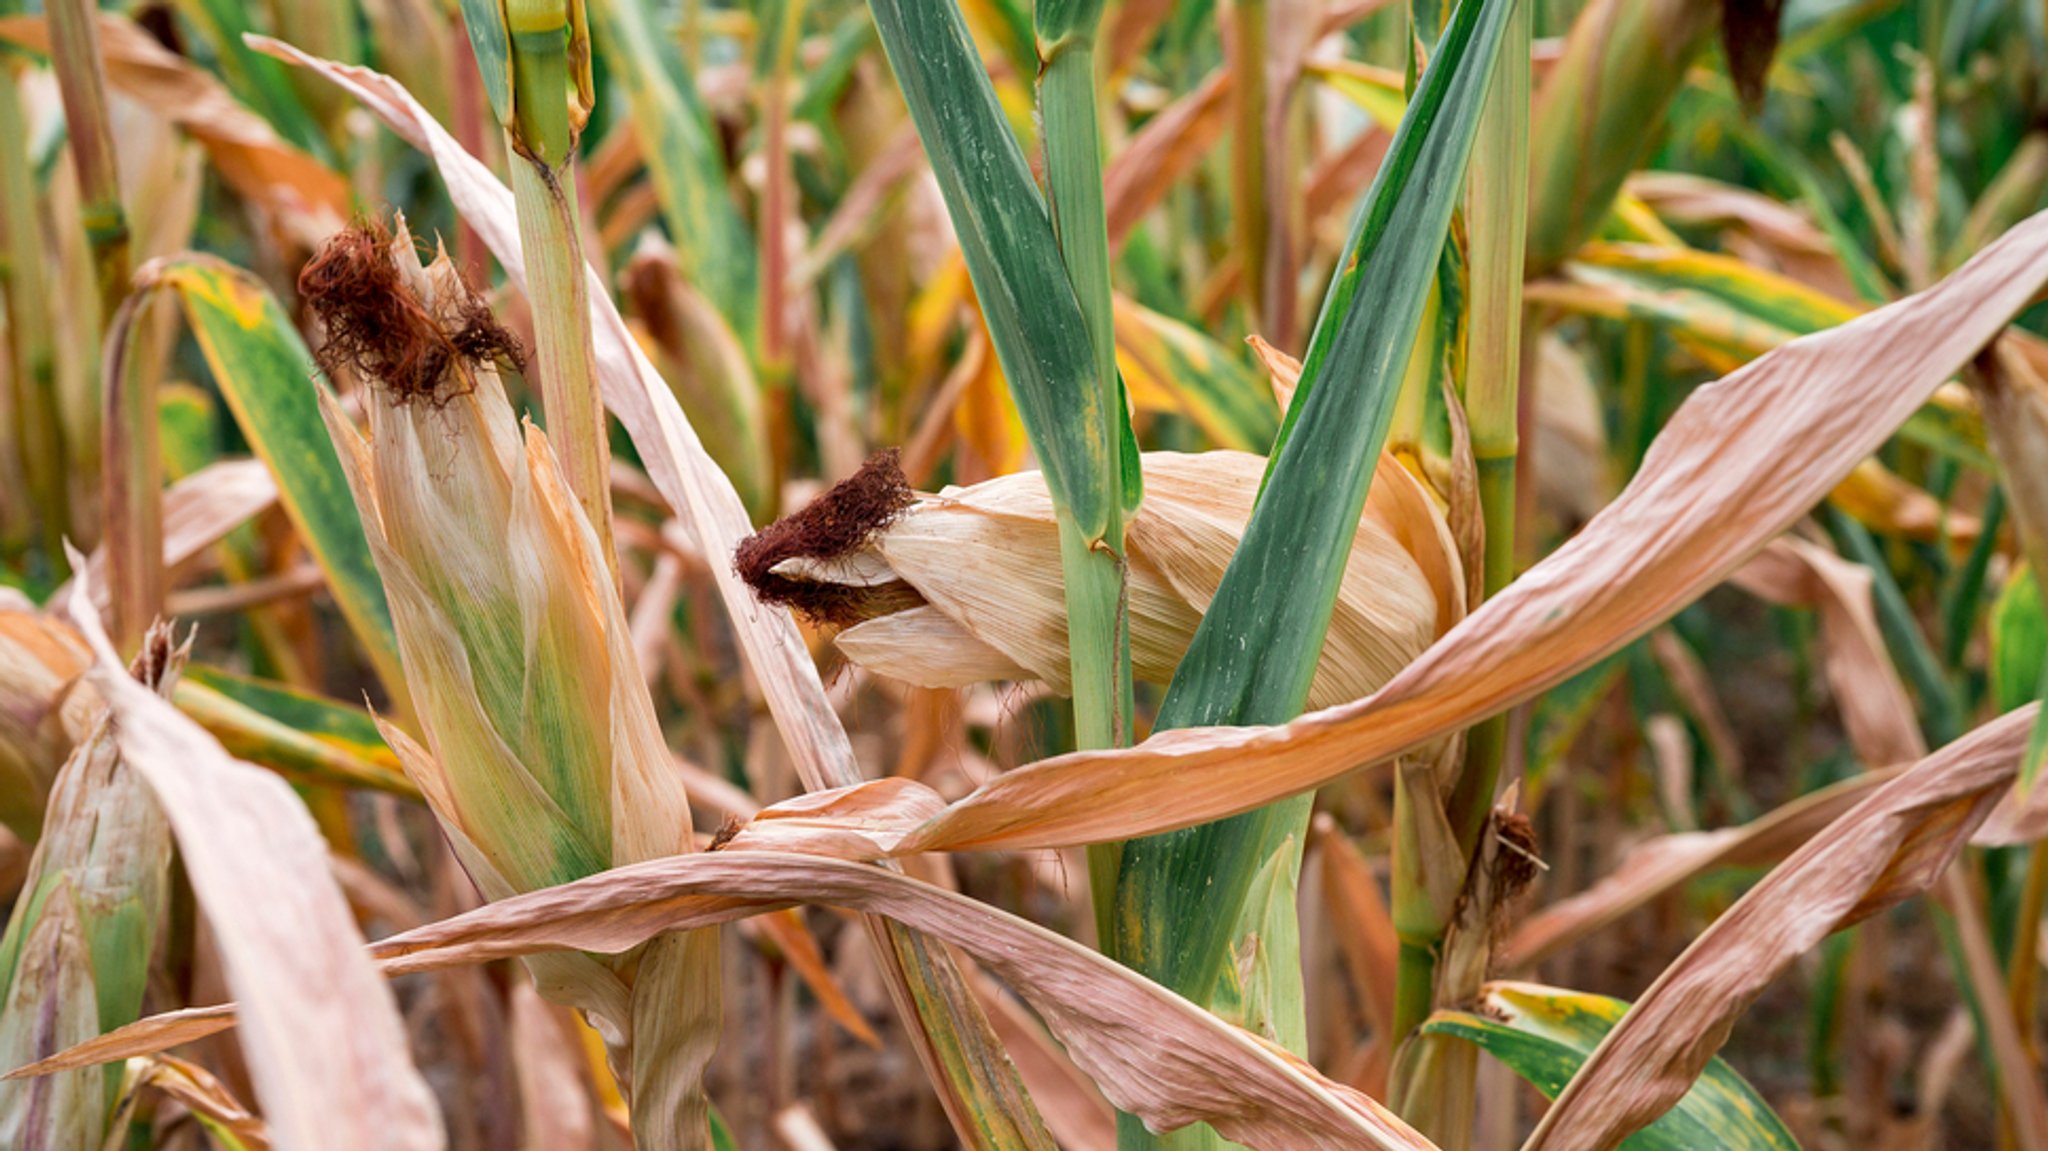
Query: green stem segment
[[1251, 213], [1496, 211], [534, 59], [1098, 617]]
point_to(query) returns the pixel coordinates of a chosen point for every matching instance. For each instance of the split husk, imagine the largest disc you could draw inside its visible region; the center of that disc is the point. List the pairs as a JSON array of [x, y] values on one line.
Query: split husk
[[543, 760]]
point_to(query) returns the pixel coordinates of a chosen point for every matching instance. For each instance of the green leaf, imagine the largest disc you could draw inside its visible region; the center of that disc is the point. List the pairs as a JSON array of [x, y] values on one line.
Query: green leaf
[[187, 429], [260, 365], [2019, 641], [491, 40], [2019, 660], [1252, 658], [1544, 1034]]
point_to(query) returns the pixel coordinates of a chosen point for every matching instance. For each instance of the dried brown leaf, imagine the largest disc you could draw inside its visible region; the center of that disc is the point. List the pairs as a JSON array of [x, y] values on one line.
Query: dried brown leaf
[[1152, 1052], [1892, 845], [1873, 700]]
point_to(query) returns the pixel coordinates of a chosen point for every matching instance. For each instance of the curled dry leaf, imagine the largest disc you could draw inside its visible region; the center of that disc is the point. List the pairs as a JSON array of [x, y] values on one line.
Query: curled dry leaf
[[1661, 865], [204, 1095], [42, 712], [1573, 481], [326, 1048], [199, 511], [1152, 1052], [147, 1036], [1892, 845], [964, 586]]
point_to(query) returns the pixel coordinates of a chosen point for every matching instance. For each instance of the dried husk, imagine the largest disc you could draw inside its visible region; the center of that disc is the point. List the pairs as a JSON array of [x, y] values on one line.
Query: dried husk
[[985, 562], [543, 761], [44, 711], [75, 956]]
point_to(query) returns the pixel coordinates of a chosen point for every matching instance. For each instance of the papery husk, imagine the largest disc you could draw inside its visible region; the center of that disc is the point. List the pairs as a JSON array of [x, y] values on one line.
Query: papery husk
[[75, 957], [44, 712], [985, 561], [544, 761]]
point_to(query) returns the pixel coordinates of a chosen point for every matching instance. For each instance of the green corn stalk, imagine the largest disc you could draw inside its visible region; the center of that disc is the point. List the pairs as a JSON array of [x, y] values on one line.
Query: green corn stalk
[[75, 957], [1422, 892], [1059, 360], [1182, 900], [1100, 642], [534, 57], [1251, 213]]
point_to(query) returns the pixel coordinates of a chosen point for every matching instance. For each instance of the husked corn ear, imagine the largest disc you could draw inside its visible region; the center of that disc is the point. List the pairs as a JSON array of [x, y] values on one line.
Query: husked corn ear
[[75, 957], [963, 586], [543, 760]]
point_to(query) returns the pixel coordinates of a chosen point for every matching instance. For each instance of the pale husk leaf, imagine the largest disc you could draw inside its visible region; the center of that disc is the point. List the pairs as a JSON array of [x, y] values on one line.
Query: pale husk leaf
[[986, 557]]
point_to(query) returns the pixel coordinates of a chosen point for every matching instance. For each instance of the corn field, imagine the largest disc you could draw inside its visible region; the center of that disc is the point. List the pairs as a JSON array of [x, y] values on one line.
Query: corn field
[[580, 575]]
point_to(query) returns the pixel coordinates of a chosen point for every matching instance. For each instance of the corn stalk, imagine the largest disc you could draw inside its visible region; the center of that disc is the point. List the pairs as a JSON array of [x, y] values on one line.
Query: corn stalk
[[1098, 638], [546, 763], [1044, 295]]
